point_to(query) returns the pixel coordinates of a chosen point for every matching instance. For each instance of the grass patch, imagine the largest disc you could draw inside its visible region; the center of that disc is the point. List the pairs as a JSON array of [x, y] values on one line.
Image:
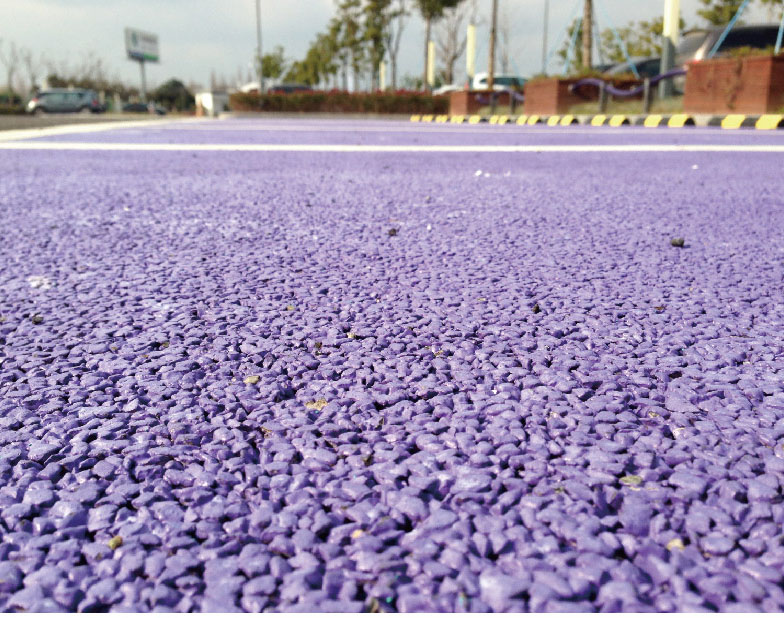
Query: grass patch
[[500, 110], [673, 105]]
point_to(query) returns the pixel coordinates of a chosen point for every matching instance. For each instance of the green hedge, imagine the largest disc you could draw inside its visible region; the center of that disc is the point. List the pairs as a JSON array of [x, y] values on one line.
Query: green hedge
[[7, 110], [335, 101]]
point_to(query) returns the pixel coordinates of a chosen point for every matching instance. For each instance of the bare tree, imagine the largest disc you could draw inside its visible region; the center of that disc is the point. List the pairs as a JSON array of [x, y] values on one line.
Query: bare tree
[[9, 58], [33, 66], [505, 39], [451, 38], [393, 35], [587, 33]]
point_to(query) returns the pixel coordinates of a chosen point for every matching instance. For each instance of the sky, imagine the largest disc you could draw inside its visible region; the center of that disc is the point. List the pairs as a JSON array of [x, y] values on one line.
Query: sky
[[199, 37]]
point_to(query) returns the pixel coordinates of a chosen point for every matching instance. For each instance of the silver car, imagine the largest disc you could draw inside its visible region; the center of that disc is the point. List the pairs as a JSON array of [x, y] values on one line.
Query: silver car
[[64, 101]]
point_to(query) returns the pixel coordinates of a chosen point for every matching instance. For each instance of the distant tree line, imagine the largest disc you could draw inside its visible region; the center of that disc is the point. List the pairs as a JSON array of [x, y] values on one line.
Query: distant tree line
[[363, 34], [24, 73]]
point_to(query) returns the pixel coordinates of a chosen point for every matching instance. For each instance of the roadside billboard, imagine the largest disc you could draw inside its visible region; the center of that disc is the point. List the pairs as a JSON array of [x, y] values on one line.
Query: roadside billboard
[[141, 45]]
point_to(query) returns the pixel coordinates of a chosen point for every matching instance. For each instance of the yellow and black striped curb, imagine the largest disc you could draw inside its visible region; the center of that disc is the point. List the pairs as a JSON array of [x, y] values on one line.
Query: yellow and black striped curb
[[675, 121], [739, 121]]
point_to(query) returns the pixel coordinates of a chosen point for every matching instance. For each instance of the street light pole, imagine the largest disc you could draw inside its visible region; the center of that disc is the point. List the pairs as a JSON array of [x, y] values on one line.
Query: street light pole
[[544, 36], [670, 33], [259, 64], [491, 63]]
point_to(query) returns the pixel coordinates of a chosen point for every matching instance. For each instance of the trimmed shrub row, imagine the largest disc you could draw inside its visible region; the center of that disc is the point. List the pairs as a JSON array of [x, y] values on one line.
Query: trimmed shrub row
[[337, 101], [7, 109]]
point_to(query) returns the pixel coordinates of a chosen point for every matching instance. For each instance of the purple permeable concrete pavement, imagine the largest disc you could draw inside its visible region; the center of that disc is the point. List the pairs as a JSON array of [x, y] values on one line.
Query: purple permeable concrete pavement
[[391, 381]]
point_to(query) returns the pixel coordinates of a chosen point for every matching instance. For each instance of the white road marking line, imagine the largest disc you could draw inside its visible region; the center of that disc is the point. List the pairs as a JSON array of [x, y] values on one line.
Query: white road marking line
[[88, 127], [437, 129], [357, 148]]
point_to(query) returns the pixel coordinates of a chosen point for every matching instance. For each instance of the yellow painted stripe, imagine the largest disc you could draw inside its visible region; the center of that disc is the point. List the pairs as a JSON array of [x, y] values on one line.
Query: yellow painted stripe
[[427, 118], [416, 118], [598, 121], [494, 119], [618, 120], [474, 119], [503, 119], [568, 120], [553, 121], [533, 119], [770, 121], [652, 121], [678, 120], [733, 121], [522, 119], [460, 119]]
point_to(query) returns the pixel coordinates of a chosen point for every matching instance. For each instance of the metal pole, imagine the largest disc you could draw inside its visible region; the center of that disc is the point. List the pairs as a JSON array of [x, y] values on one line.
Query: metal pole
[[471, 55], [425, 79], [260, 67], [603, 97], [144, 82], [670, 32], [646, 97], [544, 36], [431, 65], [491, 63]]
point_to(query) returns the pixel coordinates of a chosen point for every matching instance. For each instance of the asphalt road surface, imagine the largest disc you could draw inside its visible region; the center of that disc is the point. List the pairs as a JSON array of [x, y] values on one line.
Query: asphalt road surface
[[14, 122], [346, 366]]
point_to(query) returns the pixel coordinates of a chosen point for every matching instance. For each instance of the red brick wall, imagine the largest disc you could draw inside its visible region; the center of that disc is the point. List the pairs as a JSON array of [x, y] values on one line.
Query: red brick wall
[[753, 85], [552, 96]]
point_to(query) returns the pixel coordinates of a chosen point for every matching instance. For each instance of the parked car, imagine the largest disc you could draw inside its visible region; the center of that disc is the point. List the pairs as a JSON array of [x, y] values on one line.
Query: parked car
[[601, 68], [144, 108], [446, 89], [289, 88], [646, 67], [696, 44], [65, 100], [500, 82]]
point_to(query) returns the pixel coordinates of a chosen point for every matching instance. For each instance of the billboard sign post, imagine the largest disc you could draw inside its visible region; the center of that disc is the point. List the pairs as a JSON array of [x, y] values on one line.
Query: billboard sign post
[[141, 47]]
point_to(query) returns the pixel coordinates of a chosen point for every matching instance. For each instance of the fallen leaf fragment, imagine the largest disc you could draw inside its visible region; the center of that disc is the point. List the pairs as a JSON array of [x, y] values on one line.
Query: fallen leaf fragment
[[316, 405]]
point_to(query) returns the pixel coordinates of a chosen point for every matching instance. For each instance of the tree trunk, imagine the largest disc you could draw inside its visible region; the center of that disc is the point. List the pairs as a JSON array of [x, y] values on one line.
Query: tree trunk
[[491, 64], [427, 46], [393, 62], [587, 33]]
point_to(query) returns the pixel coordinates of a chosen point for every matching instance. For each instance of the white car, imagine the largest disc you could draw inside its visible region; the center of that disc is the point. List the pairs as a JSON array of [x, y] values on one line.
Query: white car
[[500, 82], [446, 89]]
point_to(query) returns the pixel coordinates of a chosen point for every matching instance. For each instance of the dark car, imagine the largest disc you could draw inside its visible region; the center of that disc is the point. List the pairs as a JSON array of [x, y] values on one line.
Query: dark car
[[601, 68], [289, 88], [646, 67], [144, 108], [64, 101], [697, 44]]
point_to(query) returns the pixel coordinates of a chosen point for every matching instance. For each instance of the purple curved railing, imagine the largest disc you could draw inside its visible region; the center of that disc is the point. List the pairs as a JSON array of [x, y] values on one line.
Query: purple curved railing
[[617, 92], [485, 100]]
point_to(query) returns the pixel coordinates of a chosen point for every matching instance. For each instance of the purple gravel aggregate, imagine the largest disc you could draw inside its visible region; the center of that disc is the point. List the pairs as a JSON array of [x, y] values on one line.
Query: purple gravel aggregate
[[224, 386]]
